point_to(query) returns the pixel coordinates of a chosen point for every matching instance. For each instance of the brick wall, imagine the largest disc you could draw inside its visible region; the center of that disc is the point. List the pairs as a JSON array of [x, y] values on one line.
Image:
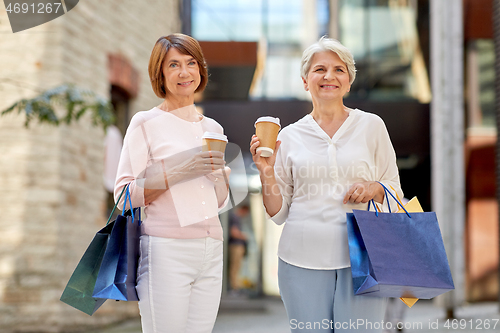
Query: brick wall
[[52, 197]]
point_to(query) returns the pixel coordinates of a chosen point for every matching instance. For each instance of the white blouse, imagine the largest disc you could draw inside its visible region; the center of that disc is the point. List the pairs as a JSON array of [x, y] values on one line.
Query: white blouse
[[314, 172]]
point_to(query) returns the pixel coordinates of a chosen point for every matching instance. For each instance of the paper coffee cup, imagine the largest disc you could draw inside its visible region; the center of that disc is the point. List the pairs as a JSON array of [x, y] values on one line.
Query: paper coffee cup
[[266, 129], [214, 142]]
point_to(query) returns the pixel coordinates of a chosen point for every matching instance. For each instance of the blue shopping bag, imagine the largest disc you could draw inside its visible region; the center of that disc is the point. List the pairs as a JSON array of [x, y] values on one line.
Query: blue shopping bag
[[118, 272], [397, 255]]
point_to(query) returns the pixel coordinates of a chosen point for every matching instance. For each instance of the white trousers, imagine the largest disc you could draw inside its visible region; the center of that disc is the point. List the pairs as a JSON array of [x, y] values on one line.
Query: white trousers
[[179, 284]]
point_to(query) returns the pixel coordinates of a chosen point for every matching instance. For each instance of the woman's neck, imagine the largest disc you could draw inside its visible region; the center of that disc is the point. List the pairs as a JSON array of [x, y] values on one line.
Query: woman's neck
[[176, 102], [329, 111], [184, 109]]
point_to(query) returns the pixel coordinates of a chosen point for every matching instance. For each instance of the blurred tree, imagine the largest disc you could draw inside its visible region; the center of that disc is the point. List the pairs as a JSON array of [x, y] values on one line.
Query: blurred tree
[[76, 101]]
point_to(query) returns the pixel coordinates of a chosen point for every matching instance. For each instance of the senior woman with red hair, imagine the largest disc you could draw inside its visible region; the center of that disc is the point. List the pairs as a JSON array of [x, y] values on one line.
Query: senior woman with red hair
[[179, 279]]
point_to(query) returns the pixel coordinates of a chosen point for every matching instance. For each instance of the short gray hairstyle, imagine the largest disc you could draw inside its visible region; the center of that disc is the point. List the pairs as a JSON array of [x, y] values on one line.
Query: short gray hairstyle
[[328, 44]]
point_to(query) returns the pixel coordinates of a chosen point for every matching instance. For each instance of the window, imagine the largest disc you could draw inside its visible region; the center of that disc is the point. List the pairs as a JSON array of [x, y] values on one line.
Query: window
[[384, 38], [283, 28]]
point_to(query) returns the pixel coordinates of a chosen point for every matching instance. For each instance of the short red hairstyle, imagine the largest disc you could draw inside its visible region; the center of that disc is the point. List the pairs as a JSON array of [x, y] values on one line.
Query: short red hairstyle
[[184, 44]]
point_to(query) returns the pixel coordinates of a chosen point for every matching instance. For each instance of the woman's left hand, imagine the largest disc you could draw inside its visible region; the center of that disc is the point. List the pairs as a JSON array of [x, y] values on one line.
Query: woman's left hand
[[221, 175], [220, 178], [364, 192]]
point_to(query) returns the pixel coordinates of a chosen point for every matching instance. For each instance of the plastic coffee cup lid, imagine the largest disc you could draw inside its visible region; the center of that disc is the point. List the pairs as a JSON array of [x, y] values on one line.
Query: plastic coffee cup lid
[[269, 120], [214, 136], [266, 152]]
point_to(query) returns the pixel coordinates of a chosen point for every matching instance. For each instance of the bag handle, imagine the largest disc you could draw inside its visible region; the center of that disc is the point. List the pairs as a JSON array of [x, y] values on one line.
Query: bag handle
[[127, 196], [116, 204], [139, 216], [377, 210], [397, 196], [387, 198]]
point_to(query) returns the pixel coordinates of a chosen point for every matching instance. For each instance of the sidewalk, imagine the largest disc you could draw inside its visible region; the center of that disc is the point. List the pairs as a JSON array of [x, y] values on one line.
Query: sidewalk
[[236, 315], [424, 317], [267, 315]]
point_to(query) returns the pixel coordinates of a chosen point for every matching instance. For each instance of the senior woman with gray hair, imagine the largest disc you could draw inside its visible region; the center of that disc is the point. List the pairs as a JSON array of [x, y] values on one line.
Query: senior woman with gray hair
[[326, 164]]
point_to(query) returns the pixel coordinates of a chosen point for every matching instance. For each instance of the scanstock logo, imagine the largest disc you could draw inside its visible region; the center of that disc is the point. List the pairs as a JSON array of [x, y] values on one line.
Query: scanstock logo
[[26, 14]]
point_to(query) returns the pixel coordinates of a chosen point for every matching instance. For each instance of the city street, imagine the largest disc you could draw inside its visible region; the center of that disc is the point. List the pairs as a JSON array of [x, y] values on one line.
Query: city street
[[267, 315]]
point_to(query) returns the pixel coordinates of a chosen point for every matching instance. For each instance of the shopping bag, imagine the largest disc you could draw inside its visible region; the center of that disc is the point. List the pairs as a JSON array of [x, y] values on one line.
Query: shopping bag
[[80, 287], [411, 206], [78, 291], [397, 255], [118, 272]]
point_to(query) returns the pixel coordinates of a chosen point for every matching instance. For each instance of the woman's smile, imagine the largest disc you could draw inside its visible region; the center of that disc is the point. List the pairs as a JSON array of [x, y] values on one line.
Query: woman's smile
[[329, 86], [185, 84]]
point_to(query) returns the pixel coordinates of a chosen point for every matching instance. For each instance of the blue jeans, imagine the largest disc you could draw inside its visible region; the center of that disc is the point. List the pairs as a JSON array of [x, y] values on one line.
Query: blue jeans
[[324, 301]]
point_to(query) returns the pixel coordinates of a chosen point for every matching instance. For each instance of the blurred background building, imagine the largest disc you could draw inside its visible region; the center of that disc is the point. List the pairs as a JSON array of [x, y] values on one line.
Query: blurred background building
[[54, 184], [481, 236], [53, 193], [390, 41]]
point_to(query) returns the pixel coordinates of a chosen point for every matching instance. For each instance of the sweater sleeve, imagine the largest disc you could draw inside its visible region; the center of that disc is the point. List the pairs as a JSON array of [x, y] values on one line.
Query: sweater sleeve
[[386, 166], [133, 162]]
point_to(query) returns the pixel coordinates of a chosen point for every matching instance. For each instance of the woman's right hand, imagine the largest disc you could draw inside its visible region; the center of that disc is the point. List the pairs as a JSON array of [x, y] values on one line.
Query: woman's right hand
[[270, 191], [265, 165], [203, 163], [161, 179]]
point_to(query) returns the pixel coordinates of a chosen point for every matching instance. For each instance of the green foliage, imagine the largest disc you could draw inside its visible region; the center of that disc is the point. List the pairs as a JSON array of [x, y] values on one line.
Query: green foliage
[[75, 100]]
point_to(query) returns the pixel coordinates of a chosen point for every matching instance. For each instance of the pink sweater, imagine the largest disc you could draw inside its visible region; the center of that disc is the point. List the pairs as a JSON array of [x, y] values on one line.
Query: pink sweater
[[186, 210]]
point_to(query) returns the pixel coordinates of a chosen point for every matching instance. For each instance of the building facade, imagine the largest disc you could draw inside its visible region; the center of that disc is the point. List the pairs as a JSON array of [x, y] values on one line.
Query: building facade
[[52, 192]]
